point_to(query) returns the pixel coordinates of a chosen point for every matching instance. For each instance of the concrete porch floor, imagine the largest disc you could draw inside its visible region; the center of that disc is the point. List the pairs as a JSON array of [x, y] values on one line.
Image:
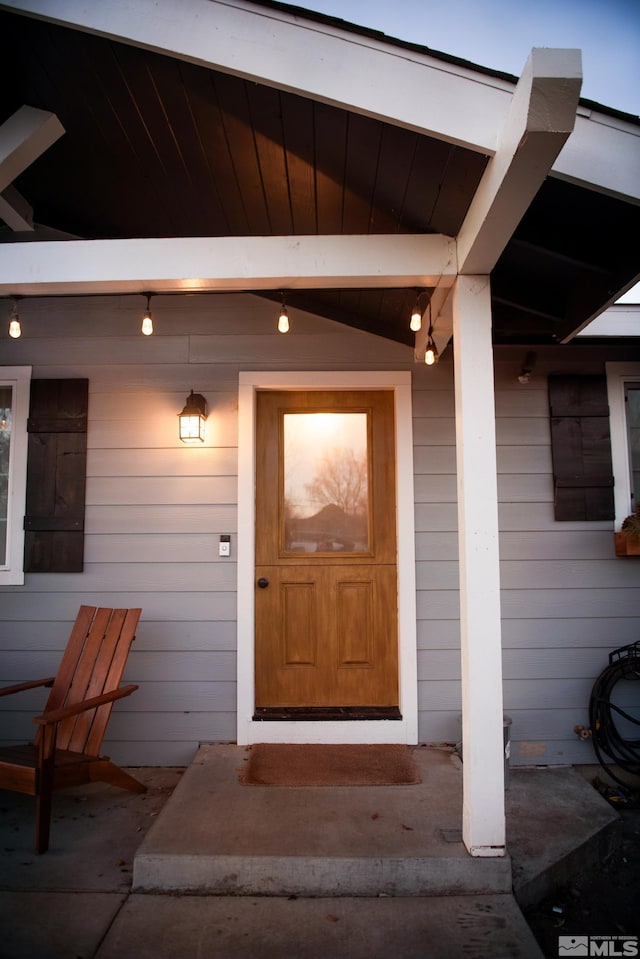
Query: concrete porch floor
[[227, 870]]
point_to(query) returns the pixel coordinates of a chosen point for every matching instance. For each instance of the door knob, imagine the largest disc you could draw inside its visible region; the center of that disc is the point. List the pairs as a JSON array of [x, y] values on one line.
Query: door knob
[[263, 582]]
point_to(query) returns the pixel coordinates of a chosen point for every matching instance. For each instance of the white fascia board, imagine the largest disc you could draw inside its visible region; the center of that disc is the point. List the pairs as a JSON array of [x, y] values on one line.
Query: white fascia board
[[320, 61], [226, 264], [23, 138], [602, 153], [631, 295], [606, 327], [616, 321], [540, 119]]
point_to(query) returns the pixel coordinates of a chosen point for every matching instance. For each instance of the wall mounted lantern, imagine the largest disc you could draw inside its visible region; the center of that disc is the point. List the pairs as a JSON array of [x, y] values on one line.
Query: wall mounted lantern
[[192, 419]]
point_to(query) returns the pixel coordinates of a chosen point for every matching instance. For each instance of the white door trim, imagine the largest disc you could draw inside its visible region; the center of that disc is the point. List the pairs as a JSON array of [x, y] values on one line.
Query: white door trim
[[362, 731]]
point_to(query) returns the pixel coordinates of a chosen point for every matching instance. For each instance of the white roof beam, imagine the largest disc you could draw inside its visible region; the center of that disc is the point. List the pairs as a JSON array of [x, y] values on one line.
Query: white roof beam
[[540, 119], [23, 138], [226, 264], [15, 211]]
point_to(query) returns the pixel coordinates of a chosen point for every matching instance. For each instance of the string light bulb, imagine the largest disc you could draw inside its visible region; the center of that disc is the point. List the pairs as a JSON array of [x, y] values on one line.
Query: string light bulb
[[147, 322], [283, 320], [431, 352], [415, 323], [15, 330]]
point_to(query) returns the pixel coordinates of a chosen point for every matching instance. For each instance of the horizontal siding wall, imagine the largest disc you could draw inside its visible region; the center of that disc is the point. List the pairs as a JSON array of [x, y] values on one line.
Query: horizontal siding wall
[[156, 509], [436, 518], [567, 600]]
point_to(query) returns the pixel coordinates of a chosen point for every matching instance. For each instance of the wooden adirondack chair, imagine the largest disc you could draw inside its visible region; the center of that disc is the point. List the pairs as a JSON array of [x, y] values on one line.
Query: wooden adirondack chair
[[66, 748]]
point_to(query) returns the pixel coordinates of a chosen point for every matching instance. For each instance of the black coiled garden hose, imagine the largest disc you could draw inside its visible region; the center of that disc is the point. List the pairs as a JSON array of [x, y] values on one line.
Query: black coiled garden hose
[[609, 744]]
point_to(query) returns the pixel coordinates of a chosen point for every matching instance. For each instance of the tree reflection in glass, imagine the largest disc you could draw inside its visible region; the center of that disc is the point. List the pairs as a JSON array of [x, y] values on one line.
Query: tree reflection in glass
[[326, 482]]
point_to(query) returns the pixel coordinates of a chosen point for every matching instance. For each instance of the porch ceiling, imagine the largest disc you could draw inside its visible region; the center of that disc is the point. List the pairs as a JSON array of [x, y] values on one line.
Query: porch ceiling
[[158, 147]]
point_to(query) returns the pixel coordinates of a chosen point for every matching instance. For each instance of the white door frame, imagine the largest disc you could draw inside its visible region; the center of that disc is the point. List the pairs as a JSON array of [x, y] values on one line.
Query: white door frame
[[360, 731]]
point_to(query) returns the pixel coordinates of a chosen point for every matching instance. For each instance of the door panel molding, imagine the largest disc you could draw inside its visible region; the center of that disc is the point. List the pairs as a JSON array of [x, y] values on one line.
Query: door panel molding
[[361, 730], [354, 605]]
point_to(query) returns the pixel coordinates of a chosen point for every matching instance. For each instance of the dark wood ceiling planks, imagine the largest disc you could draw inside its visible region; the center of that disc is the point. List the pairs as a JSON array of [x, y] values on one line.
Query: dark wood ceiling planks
[[158, 147]]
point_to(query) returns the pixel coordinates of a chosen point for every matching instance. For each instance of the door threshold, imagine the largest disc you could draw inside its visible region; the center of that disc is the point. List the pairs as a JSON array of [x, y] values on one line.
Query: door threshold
[[324, 713]]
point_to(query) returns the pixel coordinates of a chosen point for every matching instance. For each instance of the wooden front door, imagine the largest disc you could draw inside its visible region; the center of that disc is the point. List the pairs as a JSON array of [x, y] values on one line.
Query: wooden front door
[[326, 577]]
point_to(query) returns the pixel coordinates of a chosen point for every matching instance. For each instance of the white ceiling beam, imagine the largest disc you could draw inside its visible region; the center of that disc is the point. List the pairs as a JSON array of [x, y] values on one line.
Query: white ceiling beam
[[23, 138], [540, 119], [226, 264], [284, 50], [16, 212]]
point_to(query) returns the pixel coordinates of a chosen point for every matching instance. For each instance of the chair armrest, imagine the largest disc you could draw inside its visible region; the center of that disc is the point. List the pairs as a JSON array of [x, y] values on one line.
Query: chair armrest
[[57, 715], [20, 687]]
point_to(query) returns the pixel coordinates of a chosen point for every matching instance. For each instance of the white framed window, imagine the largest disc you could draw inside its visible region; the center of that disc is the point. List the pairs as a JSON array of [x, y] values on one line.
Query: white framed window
[[14, 410], [623, 385]]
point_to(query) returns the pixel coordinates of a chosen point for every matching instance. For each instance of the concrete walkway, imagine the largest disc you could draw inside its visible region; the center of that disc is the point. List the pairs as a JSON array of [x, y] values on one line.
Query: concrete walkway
[[121, 877]]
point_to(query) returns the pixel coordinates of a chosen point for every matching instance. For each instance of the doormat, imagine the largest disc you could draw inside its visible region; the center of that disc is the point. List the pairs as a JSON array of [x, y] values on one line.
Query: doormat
[[278, 764]]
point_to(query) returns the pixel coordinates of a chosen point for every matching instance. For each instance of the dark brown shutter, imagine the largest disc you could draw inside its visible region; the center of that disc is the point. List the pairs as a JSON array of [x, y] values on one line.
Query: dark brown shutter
[[581, 448], [56, 470]]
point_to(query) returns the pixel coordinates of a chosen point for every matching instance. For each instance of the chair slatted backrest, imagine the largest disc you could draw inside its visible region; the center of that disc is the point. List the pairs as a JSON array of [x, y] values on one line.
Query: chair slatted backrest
[[93, 663]]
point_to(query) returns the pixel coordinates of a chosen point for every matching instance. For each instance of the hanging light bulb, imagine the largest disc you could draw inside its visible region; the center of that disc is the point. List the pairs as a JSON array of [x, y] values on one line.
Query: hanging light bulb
[[15, 330], [431, 352], [415, 323], [147, 322], [283, 320]]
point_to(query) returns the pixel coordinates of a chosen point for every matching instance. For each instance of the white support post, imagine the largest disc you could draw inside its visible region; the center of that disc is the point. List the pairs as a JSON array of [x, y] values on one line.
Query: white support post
[[483, 826]]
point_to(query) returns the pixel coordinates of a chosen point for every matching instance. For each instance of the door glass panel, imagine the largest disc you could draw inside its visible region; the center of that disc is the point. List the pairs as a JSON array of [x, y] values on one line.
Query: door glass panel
[[5, 450], [326, 483]]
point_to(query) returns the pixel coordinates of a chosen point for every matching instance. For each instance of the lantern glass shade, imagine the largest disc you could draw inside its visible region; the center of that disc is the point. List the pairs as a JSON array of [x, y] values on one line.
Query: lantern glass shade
[[192, 419]]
